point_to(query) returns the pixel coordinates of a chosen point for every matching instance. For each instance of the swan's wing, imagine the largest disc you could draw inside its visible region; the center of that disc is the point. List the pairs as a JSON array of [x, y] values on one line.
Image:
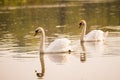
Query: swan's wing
[[100, 35], [105, 34], [95, 35], [91, 35], [59, 45]]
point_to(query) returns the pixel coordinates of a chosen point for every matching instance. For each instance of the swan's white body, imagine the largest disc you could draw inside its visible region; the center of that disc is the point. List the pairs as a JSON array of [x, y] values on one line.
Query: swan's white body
[[94, 35], [58, 45]]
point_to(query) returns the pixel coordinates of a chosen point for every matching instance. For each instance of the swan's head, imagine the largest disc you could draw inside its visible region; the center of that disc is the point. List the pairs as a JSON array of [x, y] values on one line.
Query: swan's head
[[39, 74], [82, 23], [38, 30]]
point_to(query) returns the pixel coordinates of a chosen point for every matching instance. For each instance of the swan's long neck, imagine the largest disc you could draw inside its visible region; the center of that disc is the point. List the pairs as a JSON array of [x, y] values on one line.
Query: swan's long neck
[[42, 64], [42, 41], [83, 32]]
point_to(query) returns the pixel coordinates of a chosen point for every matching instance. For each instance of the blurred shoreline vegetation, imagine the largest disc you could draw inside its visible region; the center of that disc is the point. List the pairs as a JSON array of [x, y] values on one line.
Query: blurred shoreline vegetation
[[22, 15], [47, 2], [25, 2]]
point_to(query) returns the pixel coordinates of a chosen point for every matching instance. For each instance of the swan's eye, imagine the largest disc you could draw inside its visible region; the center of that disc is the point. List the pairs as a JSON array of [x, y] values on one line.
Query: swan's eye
[[36, 31]]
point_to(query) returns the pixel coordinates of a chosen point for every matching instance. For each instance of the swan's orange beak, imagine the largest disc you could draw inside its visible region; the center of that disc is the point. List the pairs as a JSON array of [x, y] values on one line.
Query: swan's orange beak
[[35, 34]]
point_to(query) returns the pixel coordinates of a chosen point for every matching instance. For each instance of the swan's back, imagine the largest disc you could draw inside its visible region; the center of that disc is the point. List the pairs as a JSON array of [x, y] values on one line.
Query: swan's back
[[95, 35], [59, 45]]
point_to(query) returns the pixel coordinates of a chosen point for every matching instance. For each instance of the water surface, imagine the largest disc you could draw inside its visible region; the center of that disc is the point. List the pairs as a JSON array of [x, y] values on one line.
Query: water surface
[[19, 56]]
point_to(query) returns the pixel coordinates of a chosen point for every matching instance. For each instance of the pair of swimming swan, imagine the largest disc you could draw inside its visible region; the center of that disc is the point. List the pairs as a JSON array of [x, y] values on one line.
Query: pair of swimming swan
[[63, 44]]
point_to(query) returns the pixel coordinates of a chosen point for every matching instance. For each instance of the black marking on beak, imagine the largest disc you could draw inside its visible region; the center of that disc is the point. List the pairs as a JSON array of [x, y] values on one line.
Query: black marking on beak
[[36, 32], [80, 24]]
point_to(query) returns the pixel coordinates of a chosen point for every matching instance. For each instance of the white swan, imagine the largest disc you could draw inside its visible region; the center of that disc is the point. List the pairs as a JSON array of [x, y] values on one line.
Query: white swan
[[59, 45], [94, 35]]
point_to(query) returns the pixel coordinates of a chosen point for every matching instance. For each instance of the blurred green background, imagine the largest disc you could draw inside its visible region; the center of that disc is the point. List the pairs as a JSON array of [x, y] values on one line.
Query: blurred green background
[[19, 18]]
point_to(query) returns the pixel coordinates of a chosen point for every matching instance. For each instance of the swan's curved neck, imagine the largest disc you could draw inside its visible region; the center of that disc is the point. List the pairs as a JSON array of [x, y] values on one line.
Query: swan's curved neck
[[42, 41], [83, 32], [42, 64]]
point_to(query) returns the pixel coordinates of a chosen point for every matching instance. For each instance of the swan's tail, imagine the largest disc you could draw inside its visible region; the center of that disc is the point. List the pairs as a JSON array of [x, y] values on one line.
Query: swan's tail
[[105, 34]]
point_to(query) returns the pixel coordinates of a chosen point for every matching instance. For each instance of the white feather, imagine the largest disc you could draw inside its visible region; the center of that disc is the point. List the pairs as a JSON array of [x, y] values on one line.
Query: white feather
[[95, 35], [59, 45]]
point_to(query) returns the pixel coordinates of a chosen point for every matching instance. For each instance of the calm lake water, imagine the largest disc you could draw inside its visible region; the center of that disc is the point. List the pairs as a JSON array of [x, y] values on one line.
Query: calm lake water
[[19, 49]]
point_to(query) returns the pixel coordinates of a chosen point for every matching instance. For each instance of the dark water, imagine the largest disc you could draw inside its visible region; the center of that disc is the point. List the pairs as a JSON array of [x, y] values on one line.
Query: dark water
[[19, 55]]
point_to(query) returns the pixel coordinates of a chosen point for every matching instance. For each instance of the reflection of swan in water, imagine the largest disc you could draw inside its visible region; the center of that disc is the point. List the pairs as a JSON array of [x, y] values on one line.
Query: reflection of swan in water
[[89, 49], [42, 66], [96, 48], [94, 35], [59, 58], [59, 45], [83, 53]]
